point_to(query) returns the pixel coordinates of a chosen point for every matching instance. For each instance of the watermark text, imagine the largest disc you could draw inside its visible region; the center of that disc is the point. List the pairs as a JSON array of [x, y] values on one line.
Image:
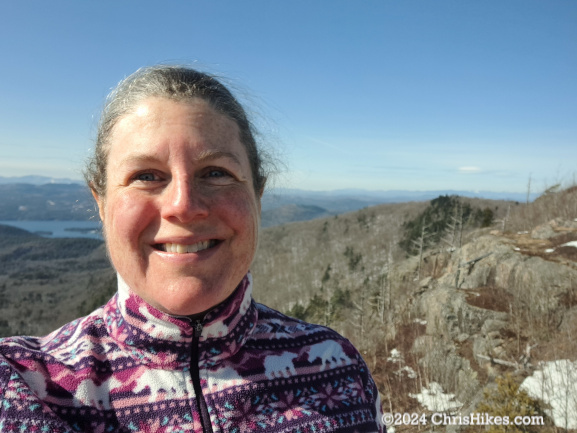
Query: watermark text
[[397, 418]]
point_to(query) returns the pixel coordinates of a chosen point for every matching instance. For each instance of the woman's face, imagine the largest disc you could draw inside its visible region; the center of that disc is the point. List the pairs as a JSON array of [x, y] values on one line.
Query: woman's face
[[180, 213]]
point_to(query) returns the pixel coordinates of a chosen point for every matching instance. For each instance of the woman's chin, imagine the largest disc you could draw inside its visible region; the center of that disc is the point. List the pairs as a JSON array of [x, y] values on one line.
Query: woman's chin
[[187, 300]]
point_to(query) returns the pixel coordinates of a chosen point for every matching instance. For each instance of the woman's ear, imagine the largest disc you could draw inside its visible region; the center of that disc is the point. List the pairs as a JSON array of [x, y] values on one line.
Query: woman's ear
[[259, 199], [99, 201], [261, 192]]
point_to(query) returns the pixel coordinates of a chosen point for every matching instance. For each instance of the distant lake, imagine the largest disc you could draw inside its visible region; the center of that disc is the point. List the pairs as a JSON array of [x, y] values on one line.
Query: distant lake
[[60, 229]]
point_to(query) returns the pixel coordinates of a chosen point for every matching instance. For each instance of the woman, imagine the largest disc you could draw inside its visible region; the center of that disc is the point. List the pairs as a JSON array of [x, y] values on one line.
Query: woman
[[182, 346]]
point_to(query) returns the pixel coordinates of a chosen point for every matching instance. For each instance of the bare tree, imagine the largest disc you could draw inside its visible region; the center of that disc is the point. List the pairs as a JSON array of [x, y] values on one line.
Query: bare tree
[[360, 310], [505, 219], [454, 230], [382, 300], [329, 309], [421, 243]]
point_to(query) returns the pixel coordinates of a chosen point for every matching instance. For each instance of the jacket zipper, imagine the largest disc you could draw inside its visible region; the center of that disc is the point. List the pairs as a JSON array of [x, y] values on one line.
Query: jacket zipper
[[195, 374]]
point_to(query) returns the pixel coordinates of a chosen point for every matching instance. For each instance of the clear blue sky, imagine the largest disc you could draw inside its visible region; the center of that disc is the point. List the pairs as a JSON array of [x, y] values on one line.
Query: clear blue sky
[[403, 94]]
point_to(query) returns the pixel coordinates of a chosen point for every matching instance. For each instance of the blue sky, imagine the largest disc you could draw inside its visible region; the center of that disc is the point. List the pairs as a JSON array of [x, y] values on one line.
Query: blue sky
[[380, 95]]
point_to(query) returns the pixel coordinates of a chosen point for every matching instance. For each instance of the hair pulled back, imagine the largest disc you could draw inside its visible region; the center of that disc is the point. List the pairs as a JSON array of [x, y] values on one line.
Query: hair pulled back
[[180, 84]]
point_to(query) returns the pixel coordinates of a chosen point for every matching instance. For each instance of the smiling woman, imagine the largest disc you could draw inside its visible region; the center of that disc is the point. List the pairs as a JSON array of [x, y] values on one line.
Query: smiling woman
[[182, 346]]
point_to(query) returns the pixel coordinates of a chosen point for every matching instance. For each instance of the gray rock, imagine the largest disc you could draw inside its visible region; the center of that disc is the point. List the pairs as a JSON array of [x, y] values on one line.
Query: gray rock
[[492, 325], [461, 338], [544, 231]]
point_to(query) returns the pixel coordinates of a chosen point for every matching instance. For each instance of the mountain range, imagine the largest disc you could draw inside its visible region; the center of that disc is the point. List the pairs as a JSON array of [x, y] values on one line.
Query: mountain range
[[44, 198]]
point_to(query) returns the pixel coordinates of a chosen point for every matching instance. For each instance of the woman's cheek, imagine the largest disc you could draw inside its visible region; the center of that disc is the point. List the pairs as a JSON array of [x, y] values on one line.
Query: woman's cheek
[[131, 217]]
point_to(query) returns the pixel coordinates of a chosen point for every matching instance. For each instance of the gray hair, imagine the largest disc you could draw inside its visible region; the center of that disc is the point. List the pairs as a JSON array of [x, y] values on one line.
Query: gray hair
[[180, 84]]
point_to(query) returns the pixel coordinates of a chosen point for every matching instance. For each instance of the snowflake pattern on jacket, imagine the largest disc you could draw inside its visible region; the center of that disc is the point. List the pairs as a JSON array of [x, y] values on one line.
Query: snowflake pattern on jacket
[[128, 367]]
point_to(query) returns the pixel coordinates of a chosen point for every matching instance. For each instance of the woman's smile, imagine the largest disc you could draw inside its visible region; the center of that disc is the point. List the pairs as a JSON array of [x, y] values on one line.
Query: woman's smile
[[185, 249]]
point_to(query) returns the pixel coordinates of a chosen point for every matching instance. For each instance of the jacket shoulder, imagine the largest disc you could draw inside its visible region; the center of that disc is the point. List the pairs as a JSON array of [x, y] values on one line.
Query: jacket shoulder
[[276, 327], [284, 324], [67, 343], [21, 409]]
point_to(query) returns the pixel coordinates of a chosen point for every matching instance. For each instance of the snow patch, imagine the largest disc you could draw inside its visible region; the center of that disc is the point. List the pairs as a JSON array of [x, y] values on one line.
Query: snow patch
[[570, 244], [396, 356], [556, 385], [550, 250], [411, 374], [435, 400], [420, 321]]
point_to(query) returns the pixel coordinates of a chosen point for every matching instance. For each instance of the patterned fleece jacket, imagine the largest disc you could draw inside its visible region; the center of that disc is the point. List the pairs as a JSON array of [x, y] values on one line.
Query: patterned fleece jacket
[[128, 367]]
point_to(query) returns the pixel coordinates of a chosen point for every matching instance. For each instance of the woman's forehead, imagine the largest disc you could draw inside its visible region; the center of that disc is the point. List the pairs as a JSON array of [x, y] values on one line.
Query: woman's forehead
[[154, 110], [165, 116], [158, 125]]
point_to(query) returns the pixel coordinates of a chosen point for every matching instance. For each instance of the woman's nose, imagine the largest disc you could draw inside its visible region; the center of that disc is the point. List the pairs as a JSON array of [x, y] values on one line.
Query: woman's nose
[[183, 202]]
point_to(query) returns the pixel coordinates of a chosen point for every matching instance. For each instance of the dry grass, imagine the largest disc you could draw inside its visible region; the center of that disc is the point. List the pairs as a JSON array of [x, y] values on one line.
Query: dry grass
[[489, 298], [465, 350], [393, 378], [552, 204], [550, 249]]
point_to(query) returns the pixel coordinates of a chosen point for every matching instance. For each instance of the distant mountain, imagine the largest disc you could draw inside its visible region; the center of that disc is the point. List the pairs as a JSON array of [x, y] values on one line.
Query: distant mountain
[[291, 213], [44, 198], [62, 202], [370, 198], [285, 205], [332, 204], [37, 180]]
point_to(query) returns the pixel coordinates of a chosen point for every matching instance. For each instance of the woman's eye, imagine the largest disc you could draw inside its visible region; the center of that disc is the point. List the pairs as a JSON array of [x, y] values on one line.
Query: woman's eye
[[217, 173], [217, 176], [145, 177]]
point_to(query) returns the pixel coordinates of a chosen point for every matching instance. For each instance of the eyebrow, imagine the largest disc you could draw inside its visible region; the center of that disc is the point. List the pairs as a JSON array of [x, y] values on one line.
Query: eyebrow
[[206, 155]]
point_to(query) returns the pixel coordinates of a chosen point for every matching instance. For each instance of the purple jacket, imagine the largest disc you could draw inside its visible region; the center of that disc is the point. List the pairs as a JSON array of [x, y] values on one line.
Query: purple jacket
[[128, 367]]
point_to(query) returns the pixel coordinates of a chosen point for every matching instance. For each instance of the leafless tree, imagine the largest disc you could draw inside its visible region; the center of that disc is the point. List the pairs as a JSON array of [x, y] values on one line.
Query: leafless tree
[[421, 243], [454, 231]]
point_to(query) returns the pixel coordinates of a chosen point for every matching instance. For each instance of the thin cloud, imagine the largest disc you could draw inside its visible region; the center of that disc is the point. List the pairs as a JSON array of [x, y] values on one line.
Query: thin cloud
[[469, 169]]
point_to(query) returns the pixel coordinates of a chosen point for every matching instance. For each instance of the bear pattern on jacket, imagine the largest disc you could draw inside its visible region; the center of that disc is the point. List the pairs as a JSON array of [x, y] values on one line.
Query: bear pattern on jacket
[[128, 367]]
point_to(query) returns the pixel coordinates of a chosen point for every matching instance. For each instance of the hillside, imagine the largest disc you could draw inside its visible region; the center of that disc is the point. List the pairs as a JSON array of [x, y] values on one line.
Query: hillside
[[353, 245], [505, 302], [45, 283], [441, 330]]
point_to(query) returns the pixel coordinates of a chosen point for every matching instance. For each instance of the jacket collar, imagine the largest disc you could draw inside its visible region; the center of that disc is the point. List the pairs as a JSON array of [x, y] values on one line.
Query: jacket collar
[[157, 338]]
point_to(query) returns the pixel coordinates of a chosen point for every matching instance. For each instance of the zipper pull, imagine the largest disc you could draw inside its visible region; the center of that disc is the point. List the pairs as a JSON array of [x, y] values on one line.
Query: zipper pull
[[197, 328]]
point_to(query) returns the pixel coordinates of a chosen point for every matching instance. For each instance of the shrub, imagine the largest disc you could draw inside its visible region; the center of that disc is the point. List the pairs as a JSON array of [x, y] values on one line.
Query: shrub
[[507, 400]]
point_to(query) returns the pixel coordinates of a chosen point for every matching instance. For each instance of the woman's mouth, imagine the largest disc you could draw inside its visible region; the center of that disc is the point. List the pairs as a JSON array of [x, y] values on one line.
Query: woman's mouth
[[184, 249]]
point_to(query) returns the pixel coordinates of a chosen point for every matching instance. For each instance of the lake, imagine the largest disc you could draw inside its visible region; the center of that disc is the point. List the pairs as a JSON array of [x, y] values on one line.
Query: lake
[[60, 229]]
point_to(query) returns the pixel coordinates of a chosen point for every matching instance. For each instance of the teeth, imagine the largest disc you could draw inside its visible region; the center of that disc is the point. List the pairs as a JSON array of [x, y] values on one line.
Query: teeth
[[183, 249]]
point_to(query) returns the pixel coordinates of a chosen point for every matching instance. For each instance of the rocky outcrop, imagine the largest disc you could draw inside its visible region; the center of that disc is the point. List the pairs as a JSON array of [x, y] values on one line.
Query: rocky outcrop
[[553, 228], [479, 305]]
